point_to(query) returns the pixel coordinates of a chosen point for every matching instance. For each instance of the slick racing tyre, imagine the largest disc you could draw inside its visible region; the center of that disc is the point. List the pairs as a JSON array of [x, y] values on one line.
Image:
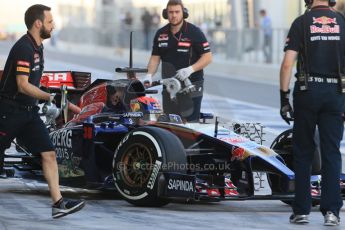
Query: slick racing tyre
[[138, 164]]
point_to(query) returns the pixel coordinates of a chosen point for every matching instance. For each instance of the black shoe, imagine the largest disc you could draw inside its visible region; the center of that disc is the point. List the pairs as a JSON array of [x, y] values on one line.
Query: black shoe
[[65, 207], [299, 219], [331, 219]]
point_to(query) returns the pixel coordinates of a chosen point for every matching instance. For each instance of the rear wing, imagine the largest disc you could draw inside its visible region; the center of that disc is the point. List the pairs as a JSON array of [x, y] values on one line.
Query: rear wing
[[74, 80]]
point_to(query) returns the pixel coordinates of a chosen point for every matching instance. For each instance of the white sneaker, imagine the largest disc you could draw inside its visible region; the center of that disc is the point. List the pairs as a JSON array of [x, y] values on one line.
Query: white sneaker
[[331, 219]]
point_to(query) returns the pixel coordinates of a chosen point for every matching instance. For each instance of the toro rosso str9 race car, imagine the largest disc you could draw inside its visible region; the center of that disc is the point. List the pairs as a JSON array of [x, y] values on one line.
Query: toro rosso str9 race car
[[123, 140]]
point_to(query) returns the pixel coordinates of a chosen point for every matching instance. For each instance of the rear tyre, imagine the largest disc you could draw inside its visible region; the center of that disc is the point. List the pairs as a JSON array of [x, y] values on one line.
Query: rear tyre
[[138, 161]]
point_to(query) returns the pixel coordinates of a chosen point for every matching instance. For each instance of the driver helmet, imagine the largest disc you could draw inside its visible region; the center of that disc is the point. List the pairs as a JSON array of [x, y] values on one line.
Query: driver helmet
[[149, 106]]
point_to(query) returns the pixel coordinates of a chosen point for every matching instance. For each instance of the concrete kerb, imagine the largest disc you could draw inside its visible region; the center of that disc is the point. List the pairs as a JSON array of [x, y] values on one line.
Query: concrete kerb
[[253, 72]]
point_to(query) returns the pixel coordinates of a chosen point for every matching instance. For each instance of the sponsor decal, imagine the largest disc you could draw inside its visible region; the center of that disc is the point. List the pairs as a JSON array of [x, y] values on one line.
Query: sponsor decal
[[240, 142], [182, 50], [325, 38], [233, 140], [57, 77], [324, 20], [154, 175], [23, 63], [62, 138], [237, 153], [23, 69], [135, 107], [133, 114], [163, 44], [185, 44], [181, 185], [325, 29], [185, 40], [68, 163], [163, 37], [122, 142]]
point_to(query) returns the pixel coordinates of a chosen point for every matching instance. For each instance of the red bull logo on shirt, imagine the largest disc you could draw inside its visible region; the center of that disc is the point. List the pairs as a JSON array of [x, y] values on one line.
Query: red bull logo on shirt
[[326, 27], [324, 20]]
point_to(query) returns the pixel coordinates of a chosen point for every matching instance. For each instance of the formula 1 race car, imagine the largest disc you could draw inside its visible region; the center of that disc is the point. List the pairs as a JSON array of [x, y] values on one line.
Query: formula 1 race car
[[150, 157]]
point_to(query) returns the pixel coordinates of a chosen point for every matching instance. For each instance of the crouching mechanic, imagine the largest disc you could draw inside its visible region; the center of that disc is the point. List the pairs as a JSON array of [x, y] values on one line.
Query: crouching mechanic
[[183, 47], [19, 95]]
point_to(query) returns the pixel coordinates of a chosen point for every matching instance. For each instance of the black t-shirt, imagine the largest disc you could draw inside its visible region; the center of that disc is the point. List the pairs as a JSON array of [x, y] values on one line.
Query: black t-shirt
[[323, 30], [180, 50], [25, 58]]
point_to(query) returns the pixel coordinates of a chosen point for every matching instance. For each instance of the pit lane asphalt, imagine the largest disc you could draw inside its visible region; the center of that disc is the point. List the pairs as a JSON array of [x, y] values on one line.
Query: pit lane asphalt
[[25, 204]]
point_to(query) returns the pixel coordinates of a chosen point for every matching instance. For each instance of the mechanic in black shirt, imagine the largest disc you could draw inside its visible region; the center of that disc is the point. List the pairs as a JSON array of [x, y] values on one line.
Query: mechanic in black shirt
[[182, 47], [19, 93], [317, 39]]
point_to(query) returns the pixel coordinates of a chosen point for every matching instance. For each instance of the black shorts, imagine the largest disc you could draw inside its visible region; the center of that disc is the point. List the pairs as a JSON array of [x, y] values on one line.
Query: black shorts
[[26, 125]]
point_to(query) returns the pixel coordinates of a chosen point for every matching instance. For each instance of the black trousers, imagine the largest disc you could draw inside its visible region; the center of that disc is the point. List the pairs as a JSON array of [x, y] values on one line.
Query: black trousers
[[322, 105], [23, 123]]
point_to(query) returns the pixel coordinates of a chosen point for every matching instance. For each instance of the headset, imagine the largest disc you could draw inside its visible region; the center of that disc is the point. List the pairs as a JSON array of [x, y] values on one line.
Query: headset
[[185, 13], [331, 2]]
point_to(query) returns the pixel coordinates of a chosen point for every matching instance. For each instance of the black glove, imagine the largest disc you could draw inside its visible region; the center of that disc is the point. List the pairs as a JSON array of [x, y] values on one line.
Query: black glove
[[285, 107]]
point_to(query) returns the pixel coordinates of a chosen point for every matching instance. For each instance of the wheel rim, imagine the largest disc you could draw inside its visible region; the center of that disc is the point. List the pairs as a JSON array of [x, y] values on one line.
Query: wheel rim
[[137, 165]]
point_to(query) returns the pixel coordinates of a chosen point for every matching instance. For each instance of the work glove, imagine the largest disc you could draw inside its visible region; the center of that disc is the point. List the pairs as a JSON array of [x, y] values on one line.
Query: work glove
[[146, 80], [285, 107], [183, 74]]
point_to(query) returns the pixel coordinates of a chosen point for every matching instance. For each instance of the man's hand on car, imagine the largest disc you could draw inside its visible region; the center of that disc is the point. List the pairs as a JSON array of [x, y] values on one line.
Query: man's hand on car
[[183, 74]]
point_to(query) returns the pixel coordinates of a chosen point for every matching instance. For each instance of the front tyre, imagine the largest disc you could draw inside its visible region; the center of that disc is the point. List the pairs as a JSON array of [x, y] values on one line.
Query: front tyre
[[138, 164]]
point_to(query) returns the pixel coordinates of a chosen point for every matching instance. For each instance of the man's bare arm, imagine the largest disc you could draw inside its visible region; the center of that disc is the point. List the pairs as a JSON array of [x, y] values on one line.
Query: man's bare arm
[[203, 61], [286, 69], [153, 64], [25, 87]]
